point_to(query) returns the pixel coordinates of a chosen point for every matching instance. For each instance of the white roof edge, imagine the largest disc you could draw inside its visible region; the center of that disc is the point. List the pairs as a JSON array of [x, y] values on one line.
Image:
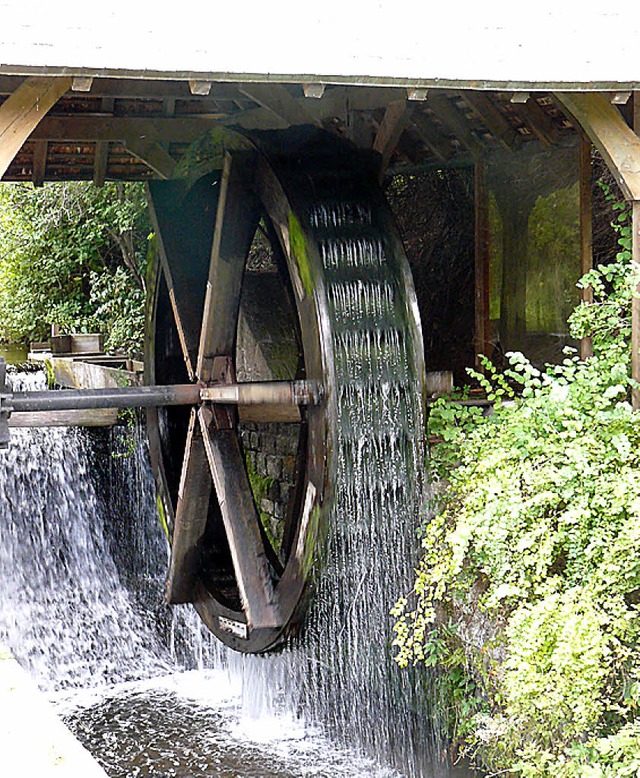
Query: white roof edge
[[327, 79]]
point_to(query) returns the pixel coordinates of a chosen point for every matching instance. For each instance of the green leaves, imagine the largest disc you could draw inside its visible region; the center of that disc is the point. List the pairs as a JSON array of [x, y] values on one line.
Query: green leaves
[[529, 583], [65, 252]]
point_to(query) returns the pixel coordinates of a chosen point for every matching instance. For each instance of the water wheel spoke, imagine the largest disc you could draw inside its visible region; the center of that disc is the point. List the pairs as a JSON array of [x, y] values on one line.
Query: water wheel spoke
[[184, 224], [242, 524], [236, 221], [191, 516]]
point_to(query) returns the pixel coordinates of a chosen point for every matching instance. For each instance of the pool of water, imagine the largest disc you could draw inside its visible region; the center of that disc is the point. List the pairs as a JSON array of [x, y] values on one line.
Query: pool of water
[[193, 724]]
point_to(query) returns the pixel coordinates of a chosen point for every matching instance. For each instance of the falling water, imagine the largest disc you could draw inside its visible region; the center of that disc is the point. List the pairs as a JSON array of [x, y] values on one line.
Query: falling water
[[341, 672], [90, 610]]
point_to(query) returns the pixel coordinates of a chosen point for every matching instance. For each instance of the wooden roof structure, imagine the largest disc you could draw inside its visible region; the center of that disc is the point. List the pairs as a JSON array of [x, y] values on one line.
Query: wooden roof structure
[[420, 88]]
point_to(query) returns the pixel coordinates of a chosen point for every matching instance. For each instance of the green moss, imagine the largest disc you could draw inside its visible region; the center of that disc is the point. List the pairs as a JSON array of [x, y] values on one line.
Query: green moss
[[162, 516], [299, 252]]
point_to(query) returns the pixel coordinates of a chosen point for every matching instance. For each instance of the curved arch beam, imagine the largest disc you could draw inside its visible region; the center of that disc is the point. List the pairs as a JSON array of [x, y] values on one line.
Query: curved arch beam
[[610, 134], [21, 113]]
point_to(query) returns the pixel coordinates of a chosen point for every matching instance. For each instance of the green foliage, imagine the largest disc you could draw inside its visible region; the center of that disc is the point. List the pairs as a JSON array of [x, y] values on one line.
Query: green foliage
[[529, 582], [74, 255]]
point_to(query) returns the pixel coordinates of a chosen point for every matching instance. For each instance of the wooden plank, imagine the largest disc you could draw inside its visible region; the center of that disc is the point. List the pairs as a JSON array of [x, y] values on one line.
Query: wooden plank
[[586, 232], [39, 162], [452, 118], [481, 295], [538, 121], [241, 522], [394, 121], [184, 223], [496, 123], [610, 134], [236, 222], [153, 155], [101, 162], [21, 113], [100, 417], [117, 128], [431, 136], [277, 99], [635, 258], [191, 517]]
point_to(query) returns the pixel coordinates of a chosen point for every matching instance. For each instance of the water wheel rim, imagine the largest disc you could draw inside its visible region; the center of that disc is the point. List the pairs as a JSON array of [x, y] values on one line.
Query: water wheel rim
[[293, 583]]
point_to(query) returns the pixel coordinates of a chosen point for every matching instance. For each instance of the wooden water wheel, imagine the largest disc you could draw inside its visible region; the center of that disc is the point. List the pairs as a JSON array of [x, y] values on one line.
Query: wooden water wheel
[[249, 590]]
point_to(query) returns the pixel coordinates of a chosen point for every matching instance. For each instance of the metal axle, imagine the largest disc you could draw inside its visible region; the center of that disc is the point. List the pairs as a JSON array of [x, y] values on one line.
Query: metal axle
[[274, 393]]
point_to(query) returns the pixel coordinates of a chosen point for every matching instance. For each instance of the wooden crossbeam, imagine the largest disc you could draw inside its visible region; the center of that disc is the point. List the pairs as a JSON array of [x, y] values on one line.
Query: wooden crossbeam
[[540, 123], [610, 134], [277, 99], [500, 128], [451, 117], [153, 155], [393, 122], [109, 128], [21, 113], [431, 136]]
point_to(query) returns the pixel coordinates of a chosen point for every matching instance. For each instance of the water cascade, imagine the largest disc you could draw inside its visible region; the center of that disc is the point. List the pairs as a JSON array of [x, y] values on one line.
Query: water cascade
[[69, 612]]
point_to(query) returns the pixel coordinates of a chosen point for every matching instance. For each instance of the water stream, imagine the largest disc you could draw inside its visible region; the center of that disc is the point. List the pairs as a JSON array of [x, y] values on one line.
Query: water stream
[[83, 563]]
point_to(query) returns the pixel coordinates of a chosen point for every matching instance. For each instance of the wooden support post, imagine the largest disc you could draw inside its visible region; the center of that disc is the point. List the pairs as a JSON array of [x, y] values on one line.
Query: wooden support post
[[482, 321], [391, 128], [586, 252], [635, 249], [39, 162], [21, 113]]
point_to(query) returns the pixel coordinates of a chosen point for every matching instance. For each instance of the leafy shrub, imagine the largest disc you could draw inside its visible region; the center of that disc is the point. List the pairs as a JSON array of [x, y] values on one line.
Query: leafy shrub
[[529, 582]]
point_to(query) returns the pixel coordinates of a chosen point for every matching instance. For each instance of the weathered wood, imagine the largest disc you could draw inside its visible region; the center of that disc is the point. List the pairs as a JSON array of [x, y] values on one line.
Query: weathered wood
[[505, 134], [431, 136], [586, 232], [39, 162], [450, 116], [610, 134], [21, 113], [99, 417], [236, 222], [184, 225], [277, 99], [635, 256], [539, 121], [153, 155], [241, 522], [191, 516], [100, 162], [391, 128], [481, 294], [116, 128]]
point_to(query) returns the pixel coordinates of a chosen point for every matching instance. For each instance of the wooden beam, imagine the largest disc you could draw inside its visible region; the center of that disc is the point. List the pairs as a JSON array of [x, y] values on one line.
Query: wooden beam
[[153, 155], [610, 134], [431, 136], [391, 128], [39, 162], [100, 162], [277, 99], [450, 116], [481, 275], [496, 123], [109, 128], [538, 121], [586, 232], [21, 113], [635, 259], [81, 84]]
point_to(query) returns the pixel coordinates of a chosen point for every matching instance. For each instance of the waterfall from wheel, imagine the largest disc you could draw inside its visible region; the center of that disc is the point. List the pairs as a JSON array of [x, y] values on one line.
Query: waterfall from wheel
[[79, 612]]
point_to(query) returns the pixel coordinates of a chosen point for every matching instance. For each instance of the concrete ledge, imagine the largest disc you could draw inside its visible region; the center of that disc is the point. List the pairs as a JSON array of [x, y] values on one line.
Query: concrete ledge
[[33, 740]]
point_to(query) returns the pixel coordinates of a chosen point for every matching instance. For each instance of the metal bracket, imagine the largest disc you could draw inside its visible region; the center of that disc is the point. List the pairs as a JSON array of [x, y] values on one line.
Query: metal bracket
[[5, 405]]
